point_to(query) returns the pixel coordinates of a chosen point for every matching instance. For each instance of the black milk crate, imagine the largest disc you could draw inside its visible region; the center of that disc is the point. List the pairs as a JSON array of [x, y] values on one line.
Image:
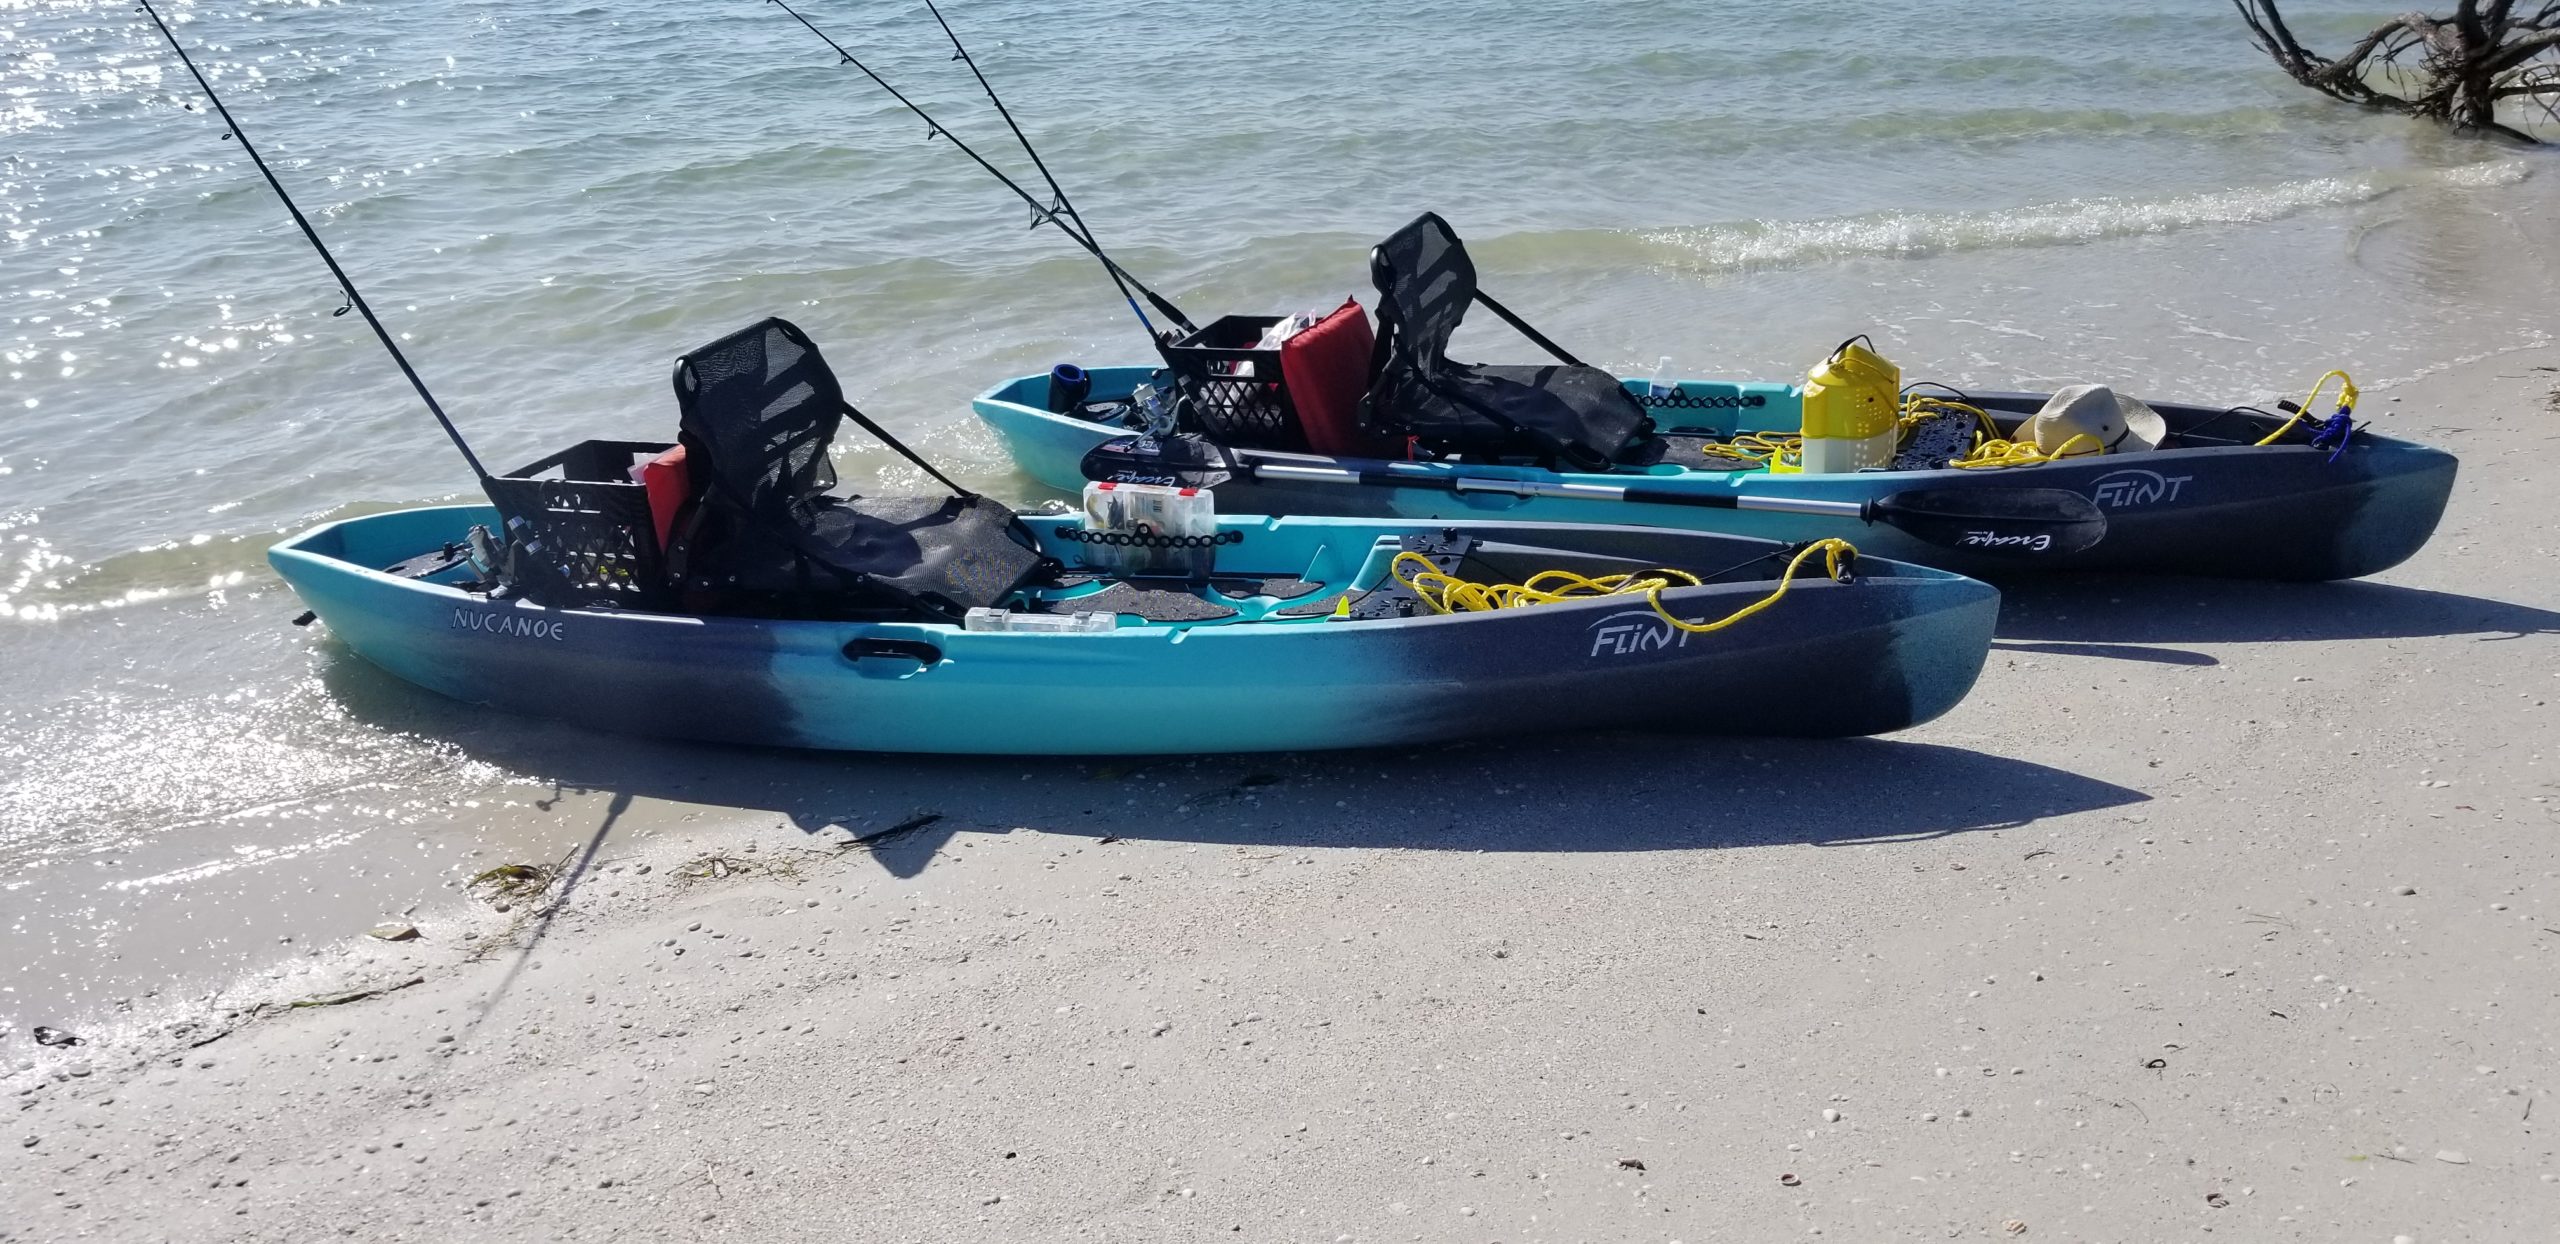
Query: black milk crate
[[1249, 411], [592, 521]]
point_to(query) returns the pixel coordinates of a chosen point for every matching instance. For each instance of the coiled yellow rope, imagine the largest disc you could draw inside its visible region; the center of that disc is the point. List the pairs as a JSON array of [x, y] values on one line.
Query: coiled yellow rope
[[1764, 448], [1990, 450], [1445, 593], [1999, 453]]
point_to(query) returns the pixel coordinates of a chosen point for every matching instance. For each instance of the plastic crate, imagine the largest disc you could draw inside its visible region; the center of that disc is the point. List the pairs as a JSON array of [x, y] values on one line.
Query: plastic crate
[[591, 519], [1235, 391]]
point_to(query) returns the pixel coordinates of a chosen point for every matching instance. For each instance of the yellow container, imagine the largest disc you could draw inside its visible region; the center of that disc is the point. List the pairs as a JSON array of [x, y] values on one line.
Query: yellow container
[[1851, 406]]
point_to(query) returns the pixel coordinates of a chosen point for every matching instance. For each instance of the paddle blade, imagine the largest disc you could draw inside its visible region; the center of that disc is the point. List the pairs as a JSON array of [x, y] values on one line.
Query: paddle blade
[[1173, 462], [2022, 523]]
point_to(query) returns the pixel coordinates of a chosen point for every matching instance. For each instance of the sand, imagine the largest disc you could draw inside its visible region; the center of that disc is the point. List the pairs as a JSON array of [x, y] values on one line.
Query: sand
[[2220, 910]]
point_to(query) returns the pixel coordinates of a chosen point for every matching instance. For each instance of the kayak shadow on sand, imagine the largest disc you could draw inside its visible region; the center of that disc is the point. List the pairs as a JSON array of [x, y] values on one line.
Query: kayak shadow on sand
[[1604, 792], [2125, 616]]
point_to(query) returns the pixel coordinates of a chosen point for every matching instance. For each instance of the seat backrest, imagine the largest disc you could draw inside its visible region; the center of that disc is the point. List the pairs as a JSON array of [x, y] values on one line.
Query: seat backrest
[[1425, 282], [758, 409]]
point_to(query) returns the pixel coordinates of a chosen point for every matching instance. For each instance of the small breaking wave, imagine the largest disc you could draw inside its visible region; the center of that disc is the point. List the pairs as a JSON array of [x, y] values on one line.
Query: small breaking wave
[[1914, 234]]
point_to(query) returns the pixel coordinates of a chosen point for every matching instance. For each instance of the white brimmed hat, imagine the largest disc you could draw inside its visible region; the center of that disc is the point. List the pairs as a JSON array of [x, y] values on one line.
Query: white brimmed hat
[[2119, 423]]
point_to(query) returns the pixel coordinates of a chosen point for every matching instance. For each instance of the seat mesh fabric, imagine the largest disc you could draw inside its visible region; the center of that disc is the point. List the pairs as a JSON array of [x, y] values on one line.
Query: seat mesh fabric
[[765, 407], [1425, 281]]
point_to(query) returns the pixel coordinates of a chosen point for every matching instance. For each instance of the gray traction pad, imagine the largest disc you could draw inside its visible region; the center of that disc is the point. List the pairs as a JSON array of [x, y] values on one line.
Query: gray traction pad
[[1283, 589], [1153, 604]]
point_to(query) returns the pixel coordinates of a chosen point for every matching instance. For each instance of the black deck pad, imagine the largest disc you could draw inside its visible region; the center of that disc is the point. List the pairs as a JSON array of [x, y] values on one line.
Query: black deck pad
[[1391, 598], [1683, 449], [1155, 604]]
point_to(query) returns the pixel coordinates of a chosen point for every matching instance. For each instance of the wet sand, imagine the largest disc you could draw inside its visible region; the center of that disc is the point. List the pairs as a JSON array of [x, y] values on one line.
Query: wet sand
[[2221, 909]]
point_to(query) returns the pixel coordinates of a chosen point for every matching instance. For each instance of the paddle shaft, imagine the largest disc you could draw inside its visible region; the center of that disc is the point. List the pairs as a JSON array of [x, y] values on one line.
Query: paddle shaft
[[2035, 523], [1863, 511]]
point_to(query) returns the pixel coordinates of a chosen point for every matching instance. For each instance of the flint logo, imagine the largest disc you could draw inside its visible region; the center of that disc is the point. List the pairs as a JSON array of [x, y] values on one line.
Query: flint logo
[[2123, 489], [515, 624], [1634, 631], [1994, 540]]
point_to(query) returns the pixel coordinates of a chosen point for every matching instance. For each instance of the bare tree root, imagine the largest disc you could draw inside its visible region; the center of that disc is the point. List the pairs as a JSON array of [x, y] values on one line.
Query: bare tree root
[[2457, 70]]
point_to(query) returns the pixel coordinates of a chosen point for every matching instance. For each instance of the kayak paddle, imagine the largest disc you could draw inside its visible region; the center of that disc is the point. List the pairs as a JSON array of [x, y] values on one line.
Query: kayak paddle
[[1996, 521]]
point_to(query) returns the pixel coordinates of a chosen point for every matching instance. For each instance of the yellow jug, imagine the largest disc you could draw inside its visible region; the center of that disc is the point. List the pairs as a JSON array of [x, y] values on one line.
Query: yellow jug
[[1851, 406]]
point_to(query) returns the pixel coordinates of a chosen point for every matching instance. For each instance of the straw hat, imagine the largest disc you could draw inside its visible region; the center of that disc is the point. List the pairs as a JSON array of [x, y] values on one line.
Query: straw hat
[[2113, 420]]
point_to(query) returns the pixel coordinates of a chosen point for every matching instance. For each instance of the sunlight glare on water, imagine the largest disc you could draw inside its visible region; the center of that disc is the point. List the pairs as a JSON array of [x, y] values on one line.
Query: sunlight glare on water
[[548, 203]]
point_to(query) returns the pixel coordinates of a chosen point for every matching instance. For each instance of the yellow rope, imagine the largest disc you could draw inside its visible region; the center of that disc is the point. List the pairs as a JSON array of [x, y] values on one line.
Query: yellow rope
[[1760, 448], [1444, 593], [2346, 402], [1999, 453], [1990, 450]]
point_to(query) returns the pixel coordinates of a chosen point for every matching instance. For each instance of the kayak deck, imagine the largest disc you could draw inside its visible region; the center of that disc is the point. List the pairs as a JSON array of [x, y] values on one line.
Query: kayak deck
[[2211, 501], [1291, 581], [1292, 666]]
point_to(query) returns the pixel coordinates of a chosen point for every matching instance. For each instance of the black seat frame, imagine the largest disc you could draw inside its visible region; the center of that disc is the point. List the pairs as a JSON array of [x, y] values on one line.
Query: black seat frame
[[1568, 412], [759, 408]]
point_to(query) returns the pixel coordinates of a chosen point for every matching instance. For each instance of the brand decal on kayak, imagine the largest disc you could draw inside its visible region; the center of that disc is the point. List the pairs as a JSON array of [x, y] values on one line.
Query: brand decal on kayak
[[1994, 540], [1161, 479], [515, 624], [2124, 489], [1632, 631]]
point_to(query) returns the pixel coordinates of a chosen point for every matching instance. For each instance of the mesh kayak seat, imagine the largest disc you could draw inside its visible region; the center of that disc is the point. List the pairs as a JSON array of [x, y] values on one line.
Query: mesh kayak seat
[[1566, 411], [759, 408]]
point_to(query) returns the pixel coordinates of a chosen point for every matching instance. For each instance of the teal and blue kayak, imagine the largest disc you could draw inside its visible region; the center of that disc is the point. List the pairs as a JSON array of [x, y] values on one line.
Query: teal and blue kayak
[[2210, 501], [1300, 638]]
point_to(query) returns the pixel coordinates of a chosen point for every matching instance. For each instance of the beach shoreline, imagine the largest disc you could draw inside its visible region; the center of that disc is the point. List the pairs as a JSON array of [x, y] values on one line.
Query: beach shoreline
[[2219, 908]]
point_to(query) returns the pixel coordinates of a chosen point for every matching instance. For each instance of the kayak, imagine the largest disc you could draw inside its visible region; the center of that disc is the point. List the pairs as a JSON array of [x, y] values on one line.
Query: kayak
[[1305, 635], [718, 588], [2209, 501]]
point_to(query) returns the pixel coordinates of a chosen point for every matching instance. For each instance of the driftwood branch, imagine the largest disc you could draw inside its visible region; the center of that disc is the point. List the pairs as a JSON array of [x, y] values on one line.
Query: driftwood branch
[[2456, 69]]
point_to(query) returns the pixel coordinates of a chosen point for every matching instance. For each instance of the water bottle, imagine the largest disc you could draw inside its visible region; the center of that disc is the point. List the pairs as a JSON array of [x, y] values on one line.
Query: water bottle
[[1662, 385], [1082, 622]]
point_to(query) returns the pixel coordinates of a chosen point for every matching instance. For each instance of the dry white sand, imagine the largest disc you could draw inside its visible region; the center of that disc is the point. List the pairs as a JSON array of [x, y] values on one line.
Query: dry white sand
[[2220, 910]]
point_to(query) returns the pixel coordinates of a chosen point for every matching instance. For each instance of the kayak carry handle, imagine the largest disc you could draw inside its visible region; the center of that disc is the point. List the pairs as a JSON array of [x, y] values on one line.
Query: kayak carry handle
[[916, 650]]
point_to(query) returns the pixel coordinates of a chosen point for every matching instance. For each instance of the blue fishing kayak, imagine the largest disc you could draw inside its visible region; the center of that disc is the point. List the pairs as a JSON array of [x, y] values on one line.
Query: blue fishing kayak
[[1300, 639], [2210, 501]]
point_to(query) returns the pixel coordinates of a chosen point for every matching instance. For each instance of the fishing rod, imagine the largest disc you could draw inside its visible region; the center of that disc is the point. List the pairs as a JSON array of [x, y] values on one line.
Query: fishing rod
[[354, 298], [1057, 212], [1058, 193]]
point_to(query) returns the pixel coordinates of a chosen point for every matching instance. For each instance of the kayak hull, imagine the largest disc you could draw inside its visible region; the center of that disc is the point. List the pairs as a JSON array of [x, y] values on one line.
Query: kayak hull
[[1899, 645], [2224, 509]]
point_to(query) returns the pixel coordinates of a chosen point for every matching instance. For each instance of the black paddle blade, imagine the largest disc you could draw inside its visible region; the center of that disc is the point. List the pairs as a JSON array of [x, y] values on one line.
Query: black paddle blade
[[1173, 462], [2024, 523]]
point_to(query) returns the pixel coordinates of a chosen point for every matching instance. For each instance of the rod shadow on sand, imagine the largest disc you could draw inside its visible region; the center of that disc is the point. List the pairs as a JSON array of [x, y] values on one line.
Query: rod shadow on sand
[[1602, 792], [572, 871]]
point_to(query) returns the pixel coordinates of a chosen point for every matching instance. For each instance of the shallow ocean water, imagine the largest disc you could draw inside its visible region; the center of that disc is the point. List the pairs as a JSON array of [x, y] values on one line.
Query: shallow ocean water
[[549, 202]]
